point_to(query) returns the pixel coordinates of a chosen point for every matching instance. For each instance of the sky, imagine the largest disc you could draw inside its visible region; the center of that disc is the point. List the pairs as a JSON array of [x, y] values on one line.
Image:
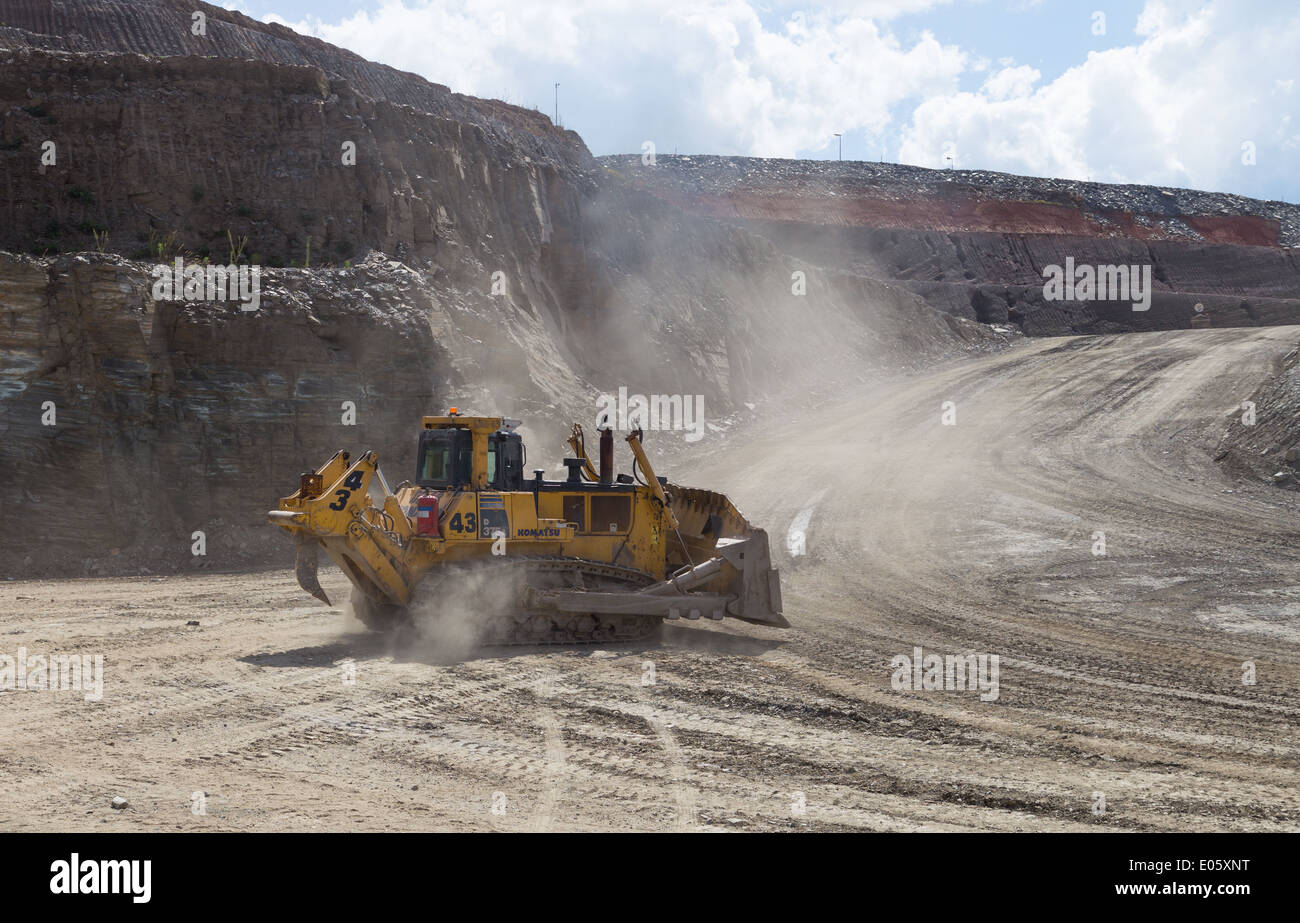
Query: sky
[[1193, 93]]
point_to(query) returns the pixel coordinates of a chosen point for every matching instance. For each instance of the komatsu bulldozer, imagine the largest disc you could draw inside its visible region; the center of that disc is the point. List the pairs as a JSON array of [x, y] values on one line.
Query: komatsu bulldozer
[[592, 557]]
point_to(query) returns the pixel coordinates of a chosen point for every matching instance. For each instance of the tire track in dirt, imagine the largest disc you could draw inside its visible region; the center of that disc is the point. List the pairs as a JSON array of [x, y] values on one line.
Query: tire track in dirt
[[553, 740], [683, 794]]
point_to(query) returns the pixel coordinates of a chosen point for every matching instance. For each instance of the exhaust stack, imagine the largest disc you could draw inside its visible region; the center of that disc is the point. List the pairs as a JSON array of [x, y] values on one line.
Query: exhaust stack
[[607, 456]]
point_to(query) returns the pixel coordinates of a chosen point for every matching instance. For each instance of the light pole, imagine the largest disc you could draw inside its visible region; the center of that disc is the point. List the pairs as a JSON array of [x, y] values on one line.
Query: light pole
[[841, 140], [557, 105]]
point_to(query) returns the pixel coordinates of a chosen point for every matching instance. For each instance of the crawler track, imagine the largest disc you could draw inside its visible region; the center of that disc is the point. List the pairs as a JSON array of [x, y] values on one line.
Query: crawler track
[[498, 600]]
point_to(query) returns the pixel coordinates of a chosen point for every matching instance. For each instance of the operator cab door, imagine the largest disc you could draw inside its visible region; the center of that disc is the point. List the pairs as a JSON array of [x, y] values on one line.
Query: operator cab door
[[506, 461], [505, 472]]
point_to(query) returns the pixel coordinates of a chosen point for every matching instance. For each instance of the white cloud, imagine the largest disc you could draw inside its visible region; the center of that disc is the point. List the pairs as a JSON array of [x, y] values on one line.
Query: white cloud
[[1011, 82], [1173, 109]]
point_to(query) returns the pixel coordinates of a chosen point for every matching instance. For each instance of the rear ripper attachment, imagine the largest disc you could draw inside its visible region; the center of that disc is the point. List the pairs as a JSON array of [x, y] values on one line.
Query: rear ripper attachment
[[593, 557]]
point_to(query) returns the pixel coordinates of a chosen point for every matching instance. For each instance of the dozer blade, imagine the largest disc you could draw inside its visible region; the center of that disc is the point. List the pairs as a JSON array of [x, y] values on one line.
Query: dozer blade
[[758, 589], [741, 575], [720, 552], [305, 567]]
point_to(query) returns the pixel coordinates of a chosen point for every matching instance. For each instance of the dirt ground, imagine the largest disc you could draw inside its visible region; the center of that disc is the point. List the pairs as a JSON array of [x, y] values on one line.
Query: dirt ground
[[1121, 674]]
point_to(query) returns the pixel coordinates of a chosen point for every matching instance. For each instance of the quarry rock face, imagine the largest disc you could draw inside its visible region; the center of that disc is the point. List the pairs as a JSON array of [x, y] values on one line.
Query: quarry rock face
[[166, 28], [976, 243], [196, 154], [132, 423], [1261, 436]]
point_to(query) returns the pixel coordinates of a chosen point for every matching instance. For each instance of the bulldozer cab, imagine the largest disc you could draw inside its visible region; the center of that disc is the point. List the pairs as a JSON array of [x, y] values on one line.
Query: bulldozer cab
[[471, 453]]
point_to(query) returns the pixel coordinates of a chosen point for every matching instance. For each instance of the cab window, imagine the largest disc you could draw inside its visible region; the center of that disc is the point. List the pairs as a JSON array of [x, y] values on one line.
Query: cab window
[[443, 458]]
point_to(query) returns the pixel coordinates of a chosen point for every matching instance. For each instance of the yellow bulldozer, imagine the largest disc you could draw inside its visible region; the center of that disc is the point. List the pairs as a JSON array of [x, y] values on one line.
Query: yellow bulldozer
[[592, 557]]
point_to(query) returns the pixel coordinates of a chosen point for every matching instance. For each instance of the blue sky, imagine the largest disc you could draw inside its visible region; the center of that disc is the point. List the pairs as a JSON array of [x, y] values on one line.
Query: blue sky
[[1198, 93]]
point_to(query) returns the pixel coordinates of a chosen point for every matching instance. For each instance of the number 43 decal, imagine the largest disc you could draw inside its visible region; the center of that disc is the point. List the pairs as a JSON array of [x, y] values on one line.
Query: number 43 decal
[[469, 525], [352, 482]]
